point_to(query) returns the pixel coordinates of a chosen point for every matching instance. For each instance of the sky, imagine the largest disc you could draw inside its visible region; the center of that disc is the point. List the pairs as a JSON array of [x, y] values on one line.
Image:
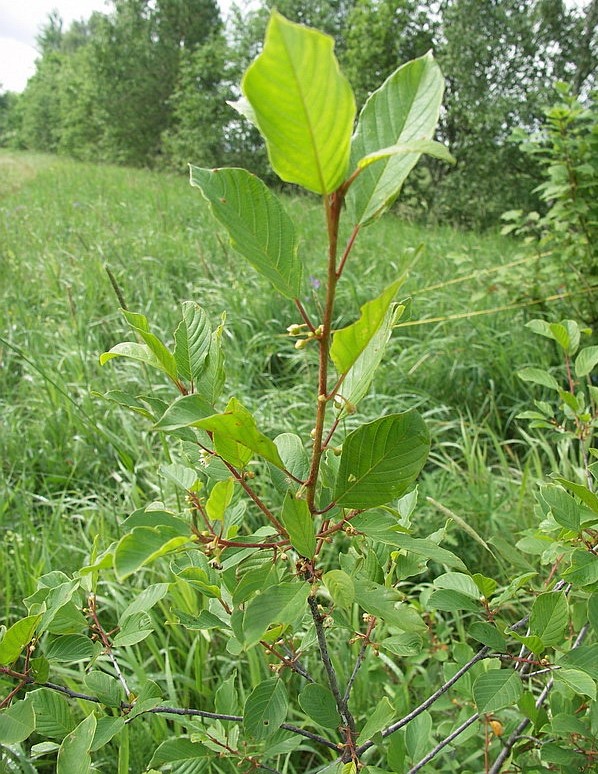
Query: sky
[[21, 21]]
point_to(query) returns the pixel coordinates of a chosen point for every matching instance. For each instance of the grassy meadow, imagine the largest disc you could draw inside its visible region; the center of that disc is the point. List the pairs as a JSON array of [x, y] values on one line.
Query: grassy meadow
[[73, 465]]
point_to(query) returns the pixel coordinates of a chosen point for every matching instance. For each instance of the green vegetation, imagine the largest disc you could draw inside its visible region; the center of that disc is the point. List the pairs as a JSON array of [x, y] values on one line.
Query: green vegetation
[[223, 572]]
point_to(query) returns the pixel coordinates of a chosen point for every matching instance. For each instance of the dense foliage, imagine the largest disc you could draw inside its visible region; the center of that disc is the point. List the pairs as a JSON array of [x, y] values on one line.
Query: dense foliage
[[315, 620], [147, 84]]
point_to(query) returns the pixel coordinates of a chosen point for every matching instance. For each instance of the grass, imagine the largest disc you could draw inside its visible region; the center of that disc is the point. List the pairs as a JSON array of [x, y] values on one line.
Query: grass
[[73, 465]]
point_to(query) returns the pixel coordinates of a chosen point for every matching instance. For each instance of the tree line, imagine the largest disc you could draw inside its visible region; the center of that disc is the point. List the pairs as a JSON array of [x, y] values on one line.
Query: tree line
[[147, 84]]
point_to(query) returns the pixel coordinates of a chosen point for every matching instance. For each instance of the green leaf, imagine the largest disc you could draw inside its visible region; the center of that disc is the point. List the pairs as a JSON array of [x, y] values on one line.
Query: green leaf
[[73, 756], [584, 494], [53, 716], [257, 224], [564, 508], [180, 750], [538, 376], [402, 645], [299, 523], [236, 435], [184, 412], [417, 735], [583, 570], [211, 382], [303, 105], [71, 648], [144, 545], [133, 351], [487, 634], [146, 599], [280, 604], [139, 324], [584, 658], [293, 454], [580, 682], [430, 147], [458, 581], [447, 599], [586, 361], [106, 729], [593, 611], [220, 498], [349, 343], [226, 698], [404, 109], [549, 616], [16, 637], [133, 629], [496, 689], [377, 720], [107, 688], [360, 376], [386, 604], [265, 709], [318, 702], [341, 588], [17, 722], [192, 342], [381, 460]]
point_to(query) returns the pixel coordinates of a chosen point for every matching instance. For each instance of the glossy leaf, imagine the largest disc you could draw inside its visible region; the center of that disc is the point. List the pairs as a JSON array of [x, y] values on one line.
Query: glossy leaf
[[496, 689], [299, 523], [340, 587], [381, 460], [220, 498], [303, 105], [404, 109], [16, 637], [17, 722], [185, 411], [349, 343], [265, 709], [549, 616], [74, 754], [280, 604], [586, 361], [192, 342], [257, 224], [144, 545], [360, 376], [318, 702]]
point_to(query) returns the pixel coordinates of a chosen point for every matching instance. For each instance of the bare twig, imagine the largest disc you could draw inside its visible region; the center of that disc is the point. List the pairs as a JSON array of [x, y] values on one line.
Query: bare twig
[[441, 745]]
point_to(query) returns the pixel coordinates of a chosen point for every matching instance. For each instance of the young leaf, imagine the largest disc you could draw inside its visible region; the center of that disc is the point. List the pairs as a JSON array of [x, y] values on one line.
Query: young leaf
[[303, 105], [404, 109], [564, 508], [265, 709], [496, 689], [220, 498], [16, 637], [538, 376], [549, 617], [340, 587], [192, 342], [73, 756], [349, 343], [280, 604], [299, 523], [257, 224], [318, 702], [184, 412], [381, 460], [17, 722], [139, 352], [430, 147]]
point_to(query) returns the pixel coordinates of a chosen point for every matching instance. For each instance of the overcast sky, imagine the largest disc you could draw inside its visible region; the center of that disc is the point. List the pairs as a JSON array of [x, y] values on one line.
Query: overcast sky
[[20, 23]]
